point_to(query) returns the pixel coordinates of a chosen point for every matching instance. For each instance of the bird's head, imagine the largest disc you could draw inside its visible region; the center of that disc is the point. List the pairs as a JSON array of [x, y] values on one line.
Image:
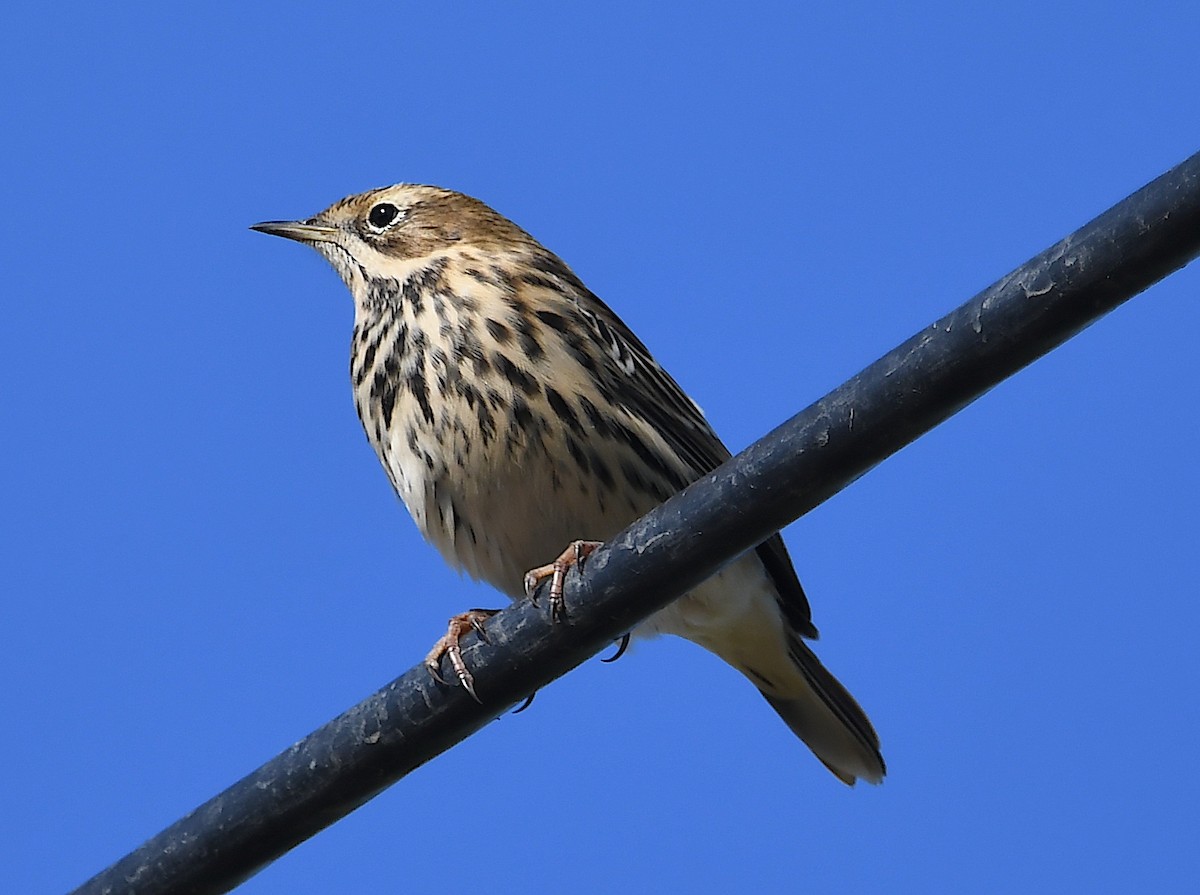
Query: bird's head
[[393, 231]]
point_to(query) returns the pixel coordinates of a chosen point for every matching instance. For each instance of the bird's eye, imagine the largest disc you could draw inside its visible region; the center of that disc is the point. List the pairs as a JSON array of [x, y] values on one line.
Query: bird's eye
[[382, 215]]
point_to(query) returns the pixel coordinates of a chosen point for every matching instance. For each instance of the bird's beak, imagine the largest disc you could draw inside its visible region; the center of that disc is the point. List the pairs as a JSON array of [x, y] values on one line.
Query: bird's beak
[[301, 231]]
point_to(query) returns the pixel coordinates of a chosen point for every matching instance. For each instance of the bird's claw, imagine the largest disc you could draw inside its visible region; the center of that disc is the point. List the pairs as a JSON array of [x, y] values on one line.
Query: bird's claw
[[576, 554], [622, 645], [448, 645]]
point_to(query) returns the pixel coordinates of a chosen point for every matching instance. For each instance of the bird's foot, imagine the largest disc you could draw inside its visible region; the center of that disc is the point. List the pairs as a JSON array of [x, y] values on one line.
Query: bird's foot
[[471, 620], [575, 555]]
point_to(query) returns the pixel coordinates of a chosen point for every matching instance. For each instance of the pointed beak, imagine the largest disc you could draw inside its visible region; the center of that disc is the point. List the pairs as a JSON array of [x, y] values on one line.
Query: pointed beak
[[301, 231]]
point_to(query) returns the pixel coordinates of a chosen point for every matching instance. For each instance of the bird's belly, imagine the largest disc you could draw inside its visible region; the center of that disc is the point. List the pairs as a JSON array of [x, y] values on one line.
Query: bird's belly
[[499, 526], [497, 508], [496, 513], [513, 522]]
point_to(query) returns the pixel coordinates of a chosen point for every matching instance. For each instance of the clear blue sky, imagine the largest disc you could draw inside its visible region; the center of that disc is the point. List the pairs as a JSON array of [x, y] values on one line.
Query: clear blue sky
[[202, 560]]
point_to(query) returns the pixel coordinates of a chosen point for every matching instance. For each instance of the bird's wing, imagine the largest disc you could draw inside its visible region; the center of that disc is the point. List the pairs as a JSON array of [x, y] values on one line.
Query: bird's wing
[[646, 389]]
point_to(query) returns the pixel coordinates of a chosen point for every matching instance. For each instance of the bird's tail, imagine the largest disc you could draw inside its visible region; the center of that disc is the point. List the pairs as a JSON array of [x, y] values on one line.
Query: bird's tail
[[820, 711]]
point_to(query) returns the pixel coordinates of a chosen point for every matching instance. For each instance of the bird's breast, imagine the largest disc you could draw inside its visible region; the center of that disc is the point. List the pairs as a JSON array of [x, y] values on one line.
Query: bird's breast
[[477, 452], [489, 413]]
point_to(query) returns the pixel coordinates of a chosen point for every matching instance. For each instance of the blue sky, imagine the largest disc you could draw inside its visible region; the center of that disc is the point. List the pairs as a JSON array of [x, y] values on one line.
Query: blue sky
[[202, 560]]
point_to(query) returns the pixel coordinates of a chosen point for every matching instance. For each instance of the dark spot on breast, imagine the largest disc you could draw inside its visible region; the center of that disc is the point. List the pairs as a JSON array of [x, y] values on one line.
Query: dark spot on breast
[[430, 278], [368, 358], [501, 333], [466, 340], [413, 295], [386, 403], [522, 416], [420, 391], [595, 418], [519, 379], [603, 473], [560, 406], [530, 345], [378, 385], [583, 357], [439, 307], [555, 321], [382, 291], [501, 278], [462, 302], [517, 305], [460, 524], [446, 373], [487, 425], [569, 329], [577, 454]]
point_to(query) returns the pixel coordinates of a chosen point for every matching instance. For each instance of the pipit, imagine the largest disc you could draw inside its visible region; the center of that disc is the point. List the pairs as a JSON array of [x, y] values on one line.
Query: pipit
[[515, 413]]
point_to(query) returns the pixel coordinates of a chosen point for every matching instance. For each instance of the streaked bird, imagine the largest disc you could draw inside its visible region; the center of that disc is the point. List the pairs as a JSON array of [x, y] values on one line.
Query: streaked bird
[[515, 413]]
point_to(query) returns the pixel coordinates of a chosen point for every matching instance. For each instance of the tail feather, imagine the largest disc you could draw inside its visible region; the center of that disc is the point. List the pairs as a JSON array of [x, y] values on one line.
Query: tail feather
[[737, 615], [827, 718]]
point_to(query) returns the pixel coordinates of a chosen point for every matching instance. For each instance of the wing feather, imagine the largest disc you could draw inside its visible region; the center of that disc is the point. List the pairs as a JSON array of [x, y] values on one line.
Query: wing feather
[[647, 390]]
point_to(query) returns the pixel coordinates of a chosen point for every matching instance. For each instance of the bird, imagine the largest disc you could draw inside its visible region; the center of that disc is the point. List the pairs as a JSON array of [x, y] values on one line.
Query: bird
[[514, 412]]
